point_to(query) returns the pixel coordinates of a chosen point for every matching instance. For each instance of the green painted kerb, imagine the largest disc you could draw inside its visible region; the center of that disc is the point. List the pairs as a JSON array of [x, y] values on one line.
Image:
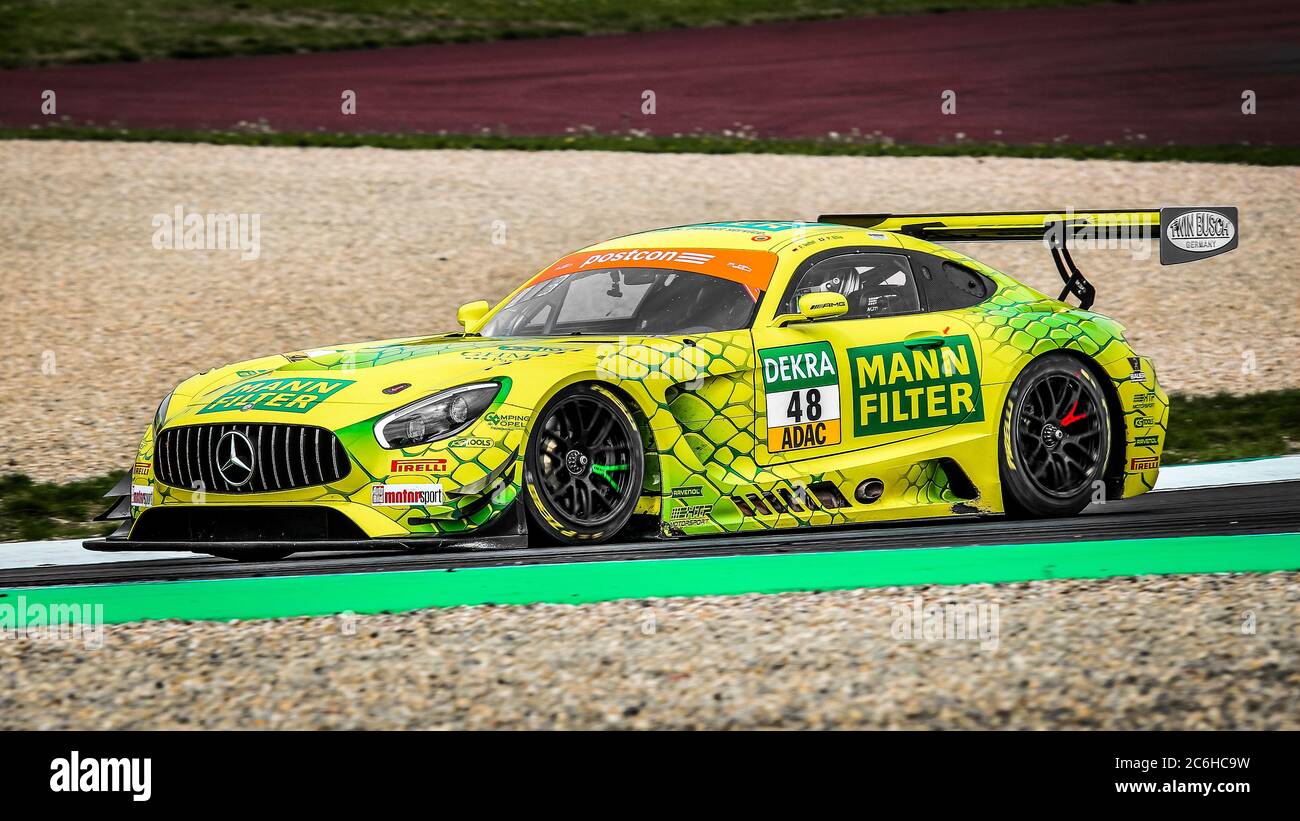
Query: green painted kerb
[[603, 581]]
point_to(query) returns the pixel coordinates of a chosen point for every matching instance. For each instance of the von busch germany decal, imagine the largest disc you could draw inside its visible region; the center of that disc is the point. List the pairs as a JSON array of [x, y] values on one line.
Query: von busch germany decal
[[285, 395], [900, 388], [803, 396]]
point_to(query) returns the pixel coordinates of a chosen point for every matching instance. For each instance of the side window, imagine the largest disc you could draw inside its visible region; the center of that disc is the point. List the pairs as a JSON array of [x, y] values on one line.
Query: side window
[[950, 285], [875, 284]]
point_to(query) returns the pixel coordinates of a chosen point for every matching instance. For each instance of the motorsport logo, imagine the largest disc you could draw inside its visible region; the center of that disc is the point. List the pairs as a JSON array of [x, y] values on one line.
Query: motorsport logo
[[803, 396], [141, 496], [418, 466], [1144, 463], [282, 395], [687, 515], [898, 388], [406, 495]]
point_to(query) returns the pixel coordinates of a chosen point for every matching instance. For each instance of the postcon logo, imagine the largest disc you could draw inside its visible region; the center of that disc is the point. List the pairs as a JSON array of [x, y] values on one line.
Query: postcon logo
[[802, 388], [281, 395], [897, 388]]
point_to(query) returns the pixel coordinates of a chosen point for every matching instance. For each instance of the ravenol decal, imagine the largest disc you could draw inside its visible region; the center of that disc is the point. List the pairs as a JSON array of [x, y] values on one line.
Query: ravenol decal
[[283, 395], [899, 388], [803, 396]]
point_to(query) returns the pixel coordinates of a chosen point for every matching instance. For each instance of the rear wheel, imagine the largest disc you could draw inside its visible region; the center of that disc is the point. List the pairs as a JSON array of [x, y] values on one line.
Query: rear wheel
[[583, 466], [1055, 440]]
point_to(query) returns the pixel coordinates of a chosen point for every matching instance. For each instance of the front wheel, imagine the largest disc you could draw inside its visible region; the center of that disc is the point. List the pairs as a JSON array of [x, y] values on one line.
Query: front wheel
[[1055, 441], [583, 466]]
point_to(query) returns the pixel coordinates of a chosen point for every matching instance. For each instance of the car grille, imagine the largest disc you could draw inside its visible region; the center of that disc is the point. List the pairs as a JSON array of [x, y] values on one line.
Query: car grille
[[284, 457]]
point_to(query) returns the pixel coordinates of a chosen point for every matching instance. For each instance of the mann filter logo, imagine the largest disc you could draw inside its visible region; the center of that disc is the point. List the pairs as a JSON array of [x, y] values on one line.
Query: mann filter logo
[[1144, 463], [1187, 234], [803, 396], [899, 388], [406, 495], [418, 466], [282, 395]]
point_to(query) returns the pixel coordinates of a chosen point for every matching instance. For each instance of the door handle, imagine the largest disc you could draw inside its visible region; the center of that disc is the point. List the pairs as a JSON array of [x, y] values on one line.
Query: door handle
[[924, 342]]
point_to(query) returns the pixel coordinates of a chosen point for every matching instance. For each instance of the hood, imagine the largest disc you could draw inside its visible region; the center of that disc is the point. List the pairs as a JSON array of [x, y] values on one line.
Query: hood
[[338, 384]]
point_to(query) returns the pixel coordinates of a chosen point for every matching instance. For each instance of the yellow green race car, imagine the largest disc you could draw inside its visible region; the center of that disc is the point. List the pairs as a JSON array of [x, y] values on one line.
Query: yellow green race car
[[702, 379]]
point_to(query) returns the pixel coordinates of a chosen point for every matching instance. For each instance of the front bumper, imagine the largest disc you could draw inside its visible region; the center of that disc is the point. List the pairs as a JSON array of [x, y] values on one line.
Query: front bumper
[[510, 530]]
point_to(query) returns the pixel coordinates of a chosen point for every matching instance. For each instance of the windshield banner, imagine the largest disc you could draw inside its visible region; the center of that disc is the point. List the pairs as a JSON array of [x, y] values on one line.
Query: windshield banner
[[753, 269]]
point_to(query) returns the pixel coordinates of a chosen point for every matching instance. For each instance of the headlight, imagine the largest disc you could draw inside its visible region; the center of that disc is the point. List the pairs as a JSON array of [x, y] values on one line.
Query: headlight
[[435, 417], [160, 415]]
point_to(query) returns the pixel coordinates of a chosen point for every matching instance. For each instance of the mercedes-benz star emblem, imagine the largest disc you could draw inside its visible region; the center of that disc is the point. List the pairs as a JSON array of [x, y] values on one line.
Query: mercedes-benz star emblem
[[235, 458]]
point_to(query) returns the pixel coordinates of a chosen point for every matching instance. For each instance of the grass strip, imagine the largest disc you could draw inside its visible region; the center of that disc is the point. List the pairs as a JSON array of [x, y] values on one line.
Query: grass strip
[[845, 146]]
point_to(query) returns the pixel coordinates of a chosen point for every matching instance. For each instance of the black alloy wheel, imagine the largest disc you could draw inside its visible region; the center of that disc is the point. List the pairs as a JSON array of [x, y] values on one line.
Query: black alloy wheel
[[584, 466], [1056, 438]]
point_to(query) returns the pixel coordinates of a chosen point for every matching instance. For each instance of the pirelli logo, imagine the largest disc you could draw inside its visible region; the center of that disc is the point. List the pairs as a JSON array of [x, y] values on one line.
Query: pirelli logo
[[418, 466], [1144, 463]]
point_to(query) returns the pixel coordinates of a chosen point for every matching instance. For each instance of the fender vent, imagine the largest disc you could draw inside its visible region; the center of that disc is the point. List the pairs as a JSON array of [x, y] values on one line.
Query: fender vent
[[817, 496]]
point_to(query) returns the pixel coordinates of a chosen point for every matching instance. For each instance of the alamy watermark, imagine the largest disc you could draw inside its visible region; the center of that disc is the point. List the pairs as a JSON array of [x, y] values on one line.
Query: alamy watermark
[[60, 621], [196, 231], [917, 620]]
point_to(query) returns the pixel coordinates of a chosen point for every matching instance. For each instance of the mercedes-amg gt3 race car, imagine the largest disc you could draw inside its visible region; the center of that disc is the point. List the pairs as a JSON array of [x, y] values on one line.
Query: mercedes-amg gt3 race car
[[702, 379]]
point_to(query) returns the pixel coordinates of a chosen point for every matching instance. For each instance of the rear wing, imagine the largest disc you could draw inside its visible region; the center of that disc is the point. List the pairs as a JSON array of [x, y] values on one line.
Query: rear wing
[[1186, 233]]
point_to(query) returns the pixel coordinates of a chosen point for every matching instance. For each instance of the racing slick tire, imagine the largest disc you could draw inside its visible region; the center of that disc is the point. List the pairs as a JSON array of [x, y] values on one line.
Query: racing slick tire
[[1055, 438], [583, 467]]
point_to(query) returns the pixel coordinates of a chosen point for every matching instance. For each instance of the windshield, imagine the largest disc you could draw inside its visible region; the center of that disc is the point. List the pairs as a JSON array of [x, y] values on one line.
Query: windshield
[[655, 301]]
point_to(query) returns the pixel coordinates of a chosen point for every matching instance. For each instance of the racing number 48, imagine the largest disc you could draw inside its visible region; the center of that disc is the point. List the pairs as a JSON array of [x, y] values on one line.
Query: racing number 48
[[812, 405]]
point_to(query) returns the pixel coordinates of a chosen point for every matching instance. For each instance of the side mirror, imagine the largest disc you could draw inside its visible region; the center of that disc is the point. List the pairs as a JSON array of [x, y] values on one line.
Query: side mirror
[[471, 312], [813, 307]]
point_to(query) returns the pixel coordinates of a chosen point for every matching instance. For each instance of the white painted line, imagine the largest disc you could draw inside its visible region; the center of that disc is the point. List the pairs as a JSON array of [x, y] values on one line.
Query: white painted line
[[46, 554], [1222, 474]]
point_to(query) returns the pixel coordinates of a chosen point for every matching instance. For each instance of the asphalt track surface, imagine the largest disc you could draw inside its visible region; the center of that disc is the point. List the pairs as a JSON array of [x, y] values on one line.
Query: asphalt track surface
[[1235, 510], [1169, 72]]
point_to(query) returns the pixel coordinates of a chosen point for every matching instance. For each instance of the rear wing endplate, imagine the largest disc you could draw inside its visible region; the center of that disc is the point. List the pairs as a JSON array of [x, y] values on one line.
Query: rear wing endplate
[[1186, 234]]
